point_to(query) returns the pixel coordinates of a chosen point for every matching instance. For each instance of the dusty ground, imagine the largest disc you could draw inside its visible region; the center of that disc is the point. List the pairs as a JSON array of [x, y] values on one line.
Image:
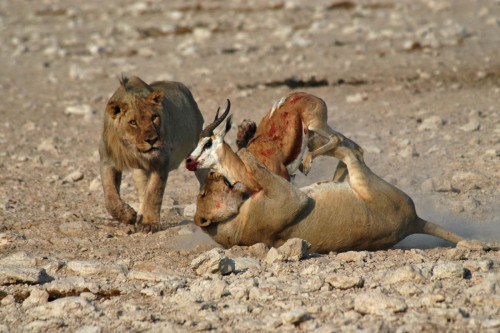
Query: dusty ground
[[417, 84]]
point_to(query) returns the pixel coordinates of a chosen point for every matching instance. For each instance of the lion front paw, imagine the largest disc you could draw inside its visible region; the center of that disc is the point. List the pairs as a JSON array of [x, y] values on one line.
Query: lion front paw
[[142, 226]]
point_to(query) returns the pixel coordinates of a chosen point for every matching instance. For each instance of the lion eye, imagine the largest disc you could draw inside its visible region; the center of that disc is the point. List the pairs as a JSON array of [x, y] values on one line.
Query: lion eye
[[133, 123]]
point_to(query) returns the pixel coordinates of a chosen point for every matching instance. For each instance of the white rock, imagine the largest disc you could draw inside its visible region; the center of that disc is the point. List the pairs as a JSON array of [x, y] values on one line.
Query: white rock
[[356, 98], [472, 126], [150, 271], [189, 211], [244, 264], [449, 270], [274, 255], [208, 290], [48, 145], [73, 177], [295, 316], [295, 249], [211, 262], [36, 297], [74, 307], [432, 123], [71, 284], [344, 282], [405, 274], [79, 110], [353, 256], [93, 267], [378, 303], [479, 265], [10, 274], [95, 184], [470, 244]]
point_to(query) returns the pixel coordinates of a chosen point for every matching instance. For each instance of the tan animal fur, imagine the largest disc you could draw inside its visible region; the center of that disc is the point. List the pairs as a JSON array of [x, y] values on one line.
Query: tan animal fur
[[363, 212], [149, 128]]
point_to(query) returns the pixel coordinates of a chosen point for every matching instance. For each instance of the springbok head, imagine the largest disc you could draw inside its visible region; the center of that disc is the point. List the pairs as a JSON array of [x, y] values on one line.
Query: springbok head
[[207, 153]]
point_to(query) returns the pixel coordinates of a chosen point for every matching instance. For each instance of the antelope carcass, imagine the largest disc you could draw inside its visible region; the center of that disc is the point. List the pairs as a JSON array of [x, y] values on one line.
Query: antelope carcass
[[294, 124]]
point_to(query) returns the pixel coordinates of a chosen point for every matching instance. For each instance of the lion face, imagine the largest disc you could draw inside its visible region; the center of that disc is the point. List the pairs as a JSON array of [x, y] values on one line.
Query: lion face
[[137, 123], [218, 200]]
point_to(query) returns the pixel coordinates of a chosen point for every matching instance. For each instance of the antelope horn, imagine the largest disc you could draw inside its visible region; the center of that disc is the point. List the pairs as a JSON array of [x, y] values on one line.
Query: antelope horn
[[209, 130]]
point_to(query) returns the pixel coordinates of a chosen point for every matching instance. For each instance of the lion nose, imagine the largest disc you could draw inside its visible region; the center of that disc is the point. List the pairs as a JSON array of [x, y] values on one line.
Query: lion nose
[[202, 221], [152, 140]]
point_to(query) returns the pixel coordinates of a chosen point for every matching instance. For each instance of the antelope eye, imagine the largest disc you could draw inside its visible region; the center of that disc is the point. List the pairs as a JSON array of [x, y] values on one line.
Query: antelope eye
[[208, 144], [132, 123]]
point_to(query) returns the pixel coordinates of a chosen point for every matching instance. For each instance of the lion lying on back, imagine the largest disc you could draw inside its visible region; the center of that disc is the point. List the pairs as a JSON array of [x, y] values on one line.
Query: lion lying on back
[[150, 129]]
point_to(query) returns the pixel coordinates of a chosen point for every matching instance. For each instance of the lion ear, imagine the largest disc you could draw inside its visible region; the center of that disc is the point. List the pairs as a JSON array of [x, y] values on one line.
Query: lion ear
[[156, 96], [114, 109]]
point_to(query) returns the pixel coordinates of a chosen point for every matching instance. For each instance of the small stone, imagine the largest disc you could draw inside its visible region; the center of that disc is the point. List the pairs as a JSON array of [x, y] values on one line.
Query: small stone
[[356, 98], [448, 270], [409, 273], [470, 244], [73, 307], [472, 126], [491, 323], [466, 181], [295, 316], [150, 271], [71, 285], [10, 274], [211, 262], [36, 297], [344, 282], [479, 265], [189, 211], [295, 249], [93, 267], [73, 177], [437, 184], [378, 303], [95, 184], [48, 145], [79, 110], [433, 123], [274, 255], [7, 300], [244, 264], [353, 256]]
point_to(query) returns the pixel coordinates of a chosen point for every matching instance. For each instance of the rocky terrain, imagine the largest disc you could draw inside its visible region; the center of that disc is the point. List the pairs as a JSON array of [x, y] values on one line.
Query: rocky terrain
[[416, 83]]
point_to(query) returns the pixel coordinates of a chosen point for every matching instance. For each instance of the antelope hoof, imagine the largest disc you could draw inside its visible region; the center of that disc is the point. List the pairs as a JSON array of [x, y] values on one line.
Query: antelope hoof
[[306, 164]]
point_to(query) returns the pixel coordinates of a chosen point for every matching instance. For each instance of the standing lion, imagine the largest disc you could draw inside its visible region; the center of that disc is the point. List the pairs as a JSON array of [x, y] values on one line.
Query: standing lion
[[149, 129]]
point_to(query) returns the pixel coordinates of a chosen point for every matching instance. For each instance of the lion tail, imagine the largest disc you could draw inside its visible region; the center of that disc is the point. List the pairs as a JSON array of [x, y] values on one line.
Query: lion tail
[[429, 228]]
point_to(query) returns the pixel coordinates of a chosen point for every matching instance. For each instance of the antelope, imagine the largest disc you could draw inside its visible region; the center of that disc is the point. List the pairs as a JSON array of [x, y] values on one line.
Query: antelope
[[292, 126]]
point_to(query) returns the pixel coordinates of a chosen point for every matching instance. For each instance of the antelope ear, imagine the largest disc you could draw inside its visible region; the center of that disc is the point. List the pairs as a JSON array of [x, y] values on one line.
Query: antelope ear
[[156, 97], [114, 109], [229, 123]]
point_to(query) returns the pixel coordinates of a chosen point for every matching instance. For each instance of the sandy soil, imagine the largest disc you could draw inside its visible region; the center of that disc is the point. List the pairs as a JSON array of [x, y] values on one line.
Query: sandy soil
[[416, 84]]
